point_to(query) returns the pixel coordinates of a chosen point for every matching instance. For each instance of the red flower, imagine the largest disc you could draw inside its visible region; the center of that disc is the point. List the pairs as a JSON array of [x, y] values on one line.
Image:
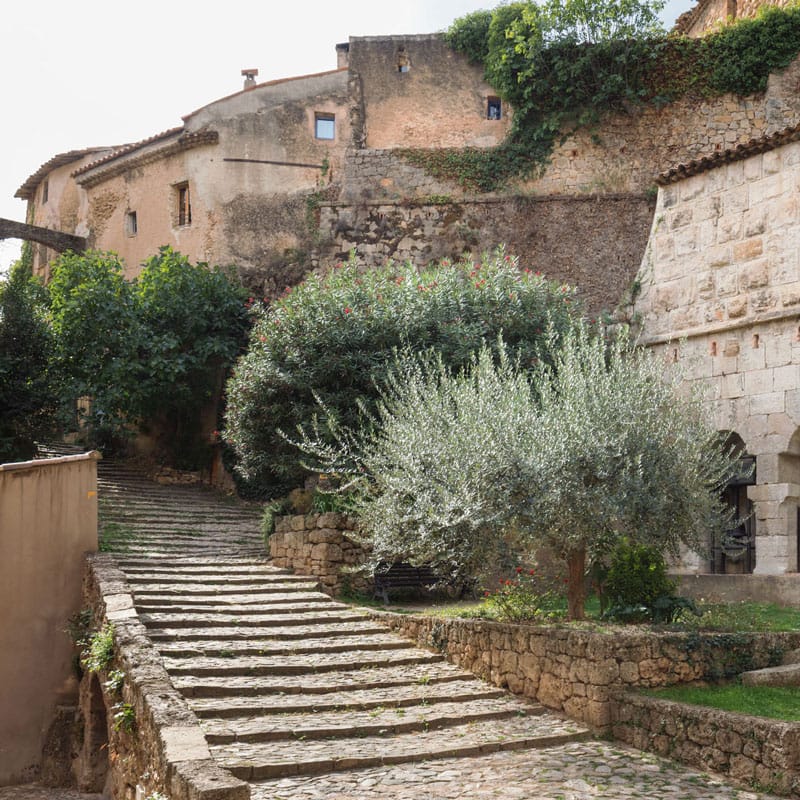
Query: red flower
[[532, 572], [519, 570], [347, 310]]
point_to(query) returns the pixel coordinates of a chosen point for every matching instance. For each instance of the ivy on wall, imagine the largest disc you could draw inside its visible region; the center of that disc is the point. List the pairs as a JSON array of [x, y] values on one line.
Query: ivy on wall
[[563, 64]]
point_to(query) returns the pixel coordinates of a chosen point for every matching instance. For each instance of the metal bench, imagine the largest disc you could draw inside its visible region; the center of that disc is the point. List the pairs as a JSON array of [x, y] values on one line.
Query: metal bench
[[388, 577]]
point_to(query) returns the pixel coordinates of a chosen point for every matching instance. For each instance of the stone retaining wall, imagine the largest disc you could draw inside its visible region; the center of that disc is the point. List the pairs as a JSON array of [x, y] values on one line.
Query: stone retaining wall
[[318, 545], [166, 751], [578, 671], [752, 750], [601, 255]]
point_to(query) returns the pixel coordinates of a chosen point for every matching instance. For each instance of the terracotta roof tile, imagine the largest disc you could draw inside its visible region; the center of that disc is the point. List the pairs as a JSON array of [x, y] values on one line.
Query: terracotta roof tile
[[127, 148], [722, 157], [28, 189]]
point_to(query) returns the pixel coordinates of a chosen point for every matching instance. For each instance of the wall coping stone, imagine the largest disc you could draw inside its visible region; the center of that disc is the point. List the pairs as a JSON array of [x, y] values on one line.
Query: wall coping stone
[[185, 767]]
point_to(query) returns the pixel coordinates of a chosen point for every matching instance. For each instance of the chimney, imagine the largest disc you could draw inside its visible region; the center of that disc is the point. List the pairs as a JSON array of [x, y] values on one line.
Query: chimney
[[249, 78], [343, 55]]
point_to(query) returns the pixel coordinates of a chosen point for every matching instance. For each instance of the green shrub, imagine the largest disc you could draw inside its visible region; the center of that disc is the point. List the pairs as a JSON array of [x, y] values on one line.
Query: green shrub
[[529, 595], [99, 649], [637, 575], [332, 341]]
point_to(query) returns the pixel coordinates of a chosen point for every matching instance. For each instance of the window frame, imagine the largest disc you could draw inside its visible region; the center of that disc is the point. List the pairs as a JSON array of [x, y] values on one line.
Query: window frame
[[324, 117], [183, 199], [131, 223]]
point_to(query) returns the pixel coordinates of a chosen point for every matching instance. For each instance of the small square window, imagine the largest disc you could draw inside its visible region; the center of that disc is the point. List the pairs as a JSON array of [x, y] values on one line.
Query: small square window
[[493, 108], [184, 204], [131, 224], [324, 126]]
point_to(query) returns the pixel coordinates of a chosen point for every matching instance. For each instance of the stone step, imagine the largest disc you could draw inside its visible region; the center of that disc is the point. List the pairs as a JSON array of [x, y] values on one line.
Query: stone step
[[241, 582], [286, 633], [786, 675], [250, 620], [201, 592], [393, 696], [151, 601], [208, 566], [261, 760], [328, 683], [244, 666], [264, 605], [227, 648], [349, 723]]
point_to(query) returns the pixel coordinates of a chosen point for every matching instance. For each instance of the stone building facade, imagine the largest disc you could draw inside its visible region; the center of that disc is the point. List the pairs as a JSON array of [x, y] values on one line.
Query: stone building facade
[[720, 292]]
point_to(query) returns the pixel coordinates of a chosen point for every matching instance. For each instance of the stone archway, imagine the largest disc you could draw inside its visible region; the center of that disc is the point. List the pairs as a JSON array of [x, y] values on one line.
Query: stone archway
[[733, 552], [56, 240]]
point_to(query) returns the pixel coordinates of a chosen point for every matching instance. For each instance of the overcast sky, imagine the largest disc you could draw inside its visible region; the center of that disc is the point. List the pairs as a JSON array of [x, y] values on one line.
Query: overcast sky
[[88, 73]]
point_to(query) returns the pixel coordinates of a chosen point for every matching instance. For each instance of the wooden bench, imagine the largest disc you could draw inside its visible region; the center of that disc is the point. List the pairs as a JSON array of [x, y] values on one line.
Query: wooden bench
[[401, 576]]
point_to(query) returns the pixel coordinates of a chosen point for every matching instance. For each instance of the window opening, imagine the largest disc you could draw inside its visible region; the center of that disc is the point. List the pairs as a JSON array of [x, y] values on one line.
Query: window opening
[[184, 205], [324, 126], [403, 61], [493, 108], [131, 224], [45, 191]]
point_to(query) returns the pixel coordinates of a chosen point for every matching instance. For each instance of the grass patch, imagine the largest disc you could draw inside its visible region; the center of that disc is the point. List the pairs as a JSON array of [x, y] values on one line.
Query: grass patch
[[774, 702], [744, 616], [740, 617]]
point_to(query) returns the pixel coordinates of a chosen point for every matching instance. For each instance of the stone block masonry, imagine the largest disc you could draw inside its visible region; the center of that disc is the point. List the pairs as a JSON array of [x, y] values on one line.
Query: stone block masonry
[[319, 545]]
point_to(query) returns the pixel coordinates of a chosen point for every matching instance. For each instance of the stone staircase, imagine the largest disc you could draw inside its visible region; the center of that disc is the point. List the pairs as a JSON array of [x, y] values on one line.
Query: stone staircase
[[287, 682]]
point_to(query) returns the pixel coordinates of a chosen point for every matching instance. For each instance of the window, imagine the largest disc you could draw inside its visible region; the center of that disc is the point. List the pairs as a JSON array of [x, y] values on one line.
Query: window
[[131, 224], [45, 191], [184, 204], [324, 126], [493, 108]]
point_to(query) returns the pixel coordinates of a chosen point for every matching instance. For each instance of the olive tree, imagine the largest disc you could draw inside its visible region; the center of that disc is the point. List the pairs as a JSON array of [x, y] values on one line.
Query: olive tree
[[453, 469]]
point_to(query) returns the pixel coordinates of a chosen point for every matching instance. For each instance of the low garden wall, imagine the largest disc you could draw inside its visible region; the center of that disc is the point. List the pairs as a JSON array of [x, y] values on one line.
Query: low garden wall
[[580, 672], [752, 750], [319, 545]]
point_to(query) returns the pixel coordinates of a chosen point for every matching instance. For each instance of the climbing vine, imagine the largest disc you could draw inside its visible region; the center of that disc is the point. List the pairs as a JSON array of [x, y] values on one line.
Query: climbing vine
[[562, 65]]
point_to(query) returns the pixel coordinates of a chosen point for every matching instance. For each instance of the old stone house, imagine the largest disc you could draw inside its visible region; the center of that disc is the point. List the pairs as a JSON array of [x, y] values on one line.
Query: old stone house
[[285, 176]]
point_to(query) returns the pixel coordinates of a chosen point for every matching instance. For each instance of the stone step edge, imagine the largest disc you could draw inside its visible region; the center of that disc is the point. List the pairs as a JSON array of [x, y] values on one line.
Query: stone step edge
[[266, 622], [310, 733], [236, 634], [232, 712], [255, 772], [211, 691], [286, 650], [235, 670]]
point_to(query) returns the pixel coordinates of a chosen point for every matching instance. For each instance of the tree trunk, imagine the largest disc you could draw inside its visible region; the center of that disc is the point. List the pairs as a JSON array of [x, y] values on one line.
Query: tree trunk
[[576, 588]]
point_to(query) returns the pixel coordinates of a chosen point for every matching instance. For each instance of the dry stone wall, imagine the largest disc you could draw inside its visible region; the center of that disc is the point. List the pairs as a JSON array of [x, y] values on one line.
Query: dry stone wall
[[319, 545], [595, 243], [752, 750], [578, 671]]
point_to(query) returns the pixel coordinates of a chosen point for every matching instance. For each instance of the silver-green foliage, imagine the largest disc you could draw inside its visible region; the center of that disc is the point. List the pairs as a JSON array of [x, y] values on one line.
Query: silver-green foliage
[[457, 468]]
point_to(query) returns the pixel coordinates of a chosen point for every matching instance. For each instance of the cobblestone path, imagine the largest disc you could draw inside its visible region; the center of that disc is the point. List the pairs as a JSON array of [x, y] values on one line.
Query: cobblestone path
[[308, 698]]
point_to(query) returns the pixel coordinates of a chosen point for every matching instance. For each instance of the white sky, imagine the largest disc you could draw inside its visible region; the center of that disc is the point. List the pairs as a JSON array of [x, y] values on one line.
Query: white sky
[[86, 73]]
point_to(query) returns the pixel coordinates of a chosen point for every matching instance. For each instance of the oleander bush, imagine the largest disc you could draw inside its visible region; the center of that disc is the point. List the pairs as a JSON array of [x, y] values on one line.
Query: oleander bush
[[330, 343]]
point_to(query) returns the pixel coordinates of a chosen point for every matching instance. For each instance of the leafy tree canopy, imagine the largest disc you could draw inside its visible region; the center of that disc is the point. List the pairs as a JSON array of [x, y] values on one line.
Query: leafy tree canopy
[[333, 338], [28, 397], [456, 468], [149, 350]]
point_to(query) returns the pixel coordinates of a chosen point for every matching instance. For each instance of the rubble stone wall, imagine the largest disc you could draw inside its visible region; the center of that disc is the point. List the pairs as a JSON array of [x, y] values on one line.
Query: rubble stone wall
[[752, 750], [578, 672]]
